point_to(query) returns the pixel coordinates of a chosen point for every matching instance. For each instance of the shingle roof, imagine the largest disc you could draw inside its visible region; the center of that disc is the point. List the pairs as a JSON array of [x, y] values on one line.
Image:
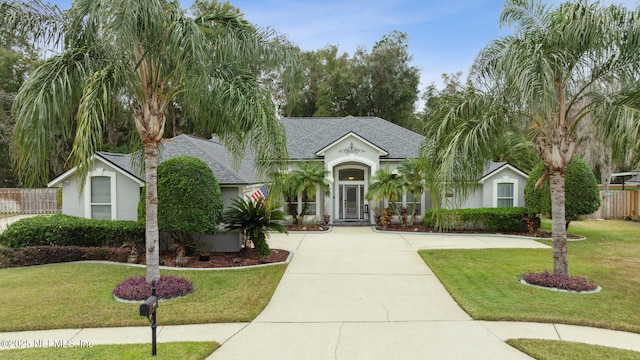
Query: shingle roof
[[491, 167], [305, 136], [211, 152]]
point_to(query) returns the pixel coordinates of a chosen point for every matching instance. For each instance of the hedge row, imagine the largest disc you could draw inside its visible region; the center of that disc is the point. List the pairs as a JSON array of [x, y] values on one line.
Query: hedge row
[[40, 255], [509, 220], [64, 230]]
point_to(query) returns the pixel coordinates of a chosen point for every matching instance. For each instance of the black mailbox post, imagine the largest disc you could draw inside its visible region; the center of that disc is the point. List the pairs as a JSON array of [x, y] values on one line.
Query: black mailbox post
[[148, 308]]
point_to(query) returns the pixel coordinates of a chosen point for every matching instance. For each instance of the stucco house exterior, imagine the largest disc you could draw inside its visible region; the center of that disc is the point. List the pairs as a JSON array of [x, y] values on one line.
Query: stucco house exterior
[[352, 149]]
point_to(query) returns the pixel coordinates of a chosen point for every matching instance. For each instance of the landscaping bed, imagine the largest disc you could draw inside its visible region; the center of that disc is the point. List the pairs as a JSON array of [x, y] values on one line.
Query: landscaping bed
[[244, 257], [42, 255]]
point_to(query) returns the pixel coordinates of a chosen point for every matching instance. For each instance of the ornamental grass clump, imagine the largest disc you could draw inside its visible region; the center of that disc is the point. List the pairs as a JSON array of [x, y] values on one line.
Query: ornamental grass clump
[[137, 289], [545, 279]]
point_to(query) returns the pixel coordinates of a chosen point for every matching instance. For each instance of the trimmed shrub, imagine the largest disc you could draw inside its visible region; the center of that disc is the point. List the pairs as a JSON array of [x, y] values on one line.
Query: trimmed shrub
[[509, 220], [582, 195], [64, 230], [136, 288], [41, 255], [189, 197]]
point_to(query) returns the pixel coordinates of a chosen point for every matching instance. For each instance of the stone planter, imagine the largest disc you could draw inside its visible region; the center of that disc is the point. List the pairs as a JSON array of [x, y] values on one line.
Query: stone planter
[[182, 261]]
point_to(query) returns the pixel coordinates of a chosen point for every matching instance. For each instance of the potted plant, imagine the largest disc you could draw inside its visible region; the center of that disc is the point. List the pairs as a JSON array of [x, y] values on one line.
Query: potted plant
[[204, 250], [133, 246], [326, 216], [376, 215], [180, 247]]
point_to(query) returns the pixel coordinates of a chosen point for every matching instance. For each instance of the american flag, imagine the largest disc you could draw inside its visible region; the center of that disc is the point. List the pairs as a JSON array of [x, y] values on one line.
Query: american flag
[[263, 192]]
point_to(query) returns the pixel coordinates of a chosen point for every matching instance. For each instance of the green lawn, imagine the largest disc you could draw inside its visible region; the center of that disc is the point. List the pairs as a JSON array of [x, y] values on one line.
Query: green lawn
[[177, 350], [486, 282], [61, 296], [565, 350]]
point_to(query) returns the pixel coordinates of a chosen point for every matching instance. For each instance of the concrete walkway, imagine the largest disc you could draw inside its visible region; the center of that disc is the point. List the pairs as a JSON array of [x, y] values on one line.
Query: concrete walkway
[[355, 294]]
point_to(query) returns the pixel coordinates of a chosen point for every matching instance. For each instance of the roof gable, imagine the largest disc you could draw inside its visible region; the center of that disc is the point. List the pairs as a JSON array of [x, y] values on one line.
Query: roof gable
[[306, 137], [104, 158], [213, 153], [493, 168], [350, 149]]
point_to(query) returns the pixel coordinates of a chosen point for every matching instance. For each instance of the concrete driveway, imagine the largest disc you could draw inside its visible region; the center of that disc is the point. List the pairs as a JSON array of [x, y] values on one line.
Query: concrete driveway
[[357, 294]]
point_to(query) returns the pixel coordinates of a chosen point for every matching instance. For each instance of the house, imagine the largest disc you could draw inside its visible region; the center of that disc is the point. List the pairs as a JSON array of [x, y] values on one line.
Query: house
[[113, 187], [351, 148], [501, 185]]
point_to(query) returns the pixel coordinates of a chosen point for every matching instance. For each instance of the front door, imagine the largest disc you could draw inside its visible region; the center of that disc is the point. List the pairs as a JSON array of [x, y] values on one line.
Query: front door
[[351, 201]]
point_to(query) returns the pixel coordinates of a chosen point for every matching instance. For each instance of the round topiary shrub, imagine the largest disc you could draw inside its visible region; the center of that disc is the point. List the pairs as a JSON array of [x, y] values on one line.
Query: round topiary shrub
[[189, 198], [582, 195], [137, 289]]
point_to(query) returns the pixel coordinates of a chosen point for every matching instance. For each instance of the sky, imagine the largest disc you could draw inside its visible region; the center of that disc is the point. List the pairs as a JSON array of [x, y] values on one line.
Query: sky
[[444, 36]]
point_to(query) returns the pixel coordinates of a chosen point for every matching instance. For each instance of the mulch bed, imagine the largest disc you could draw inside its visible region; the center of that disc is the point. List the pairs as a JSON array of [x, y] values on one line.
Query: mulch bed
[[308, 227], [245, 257]]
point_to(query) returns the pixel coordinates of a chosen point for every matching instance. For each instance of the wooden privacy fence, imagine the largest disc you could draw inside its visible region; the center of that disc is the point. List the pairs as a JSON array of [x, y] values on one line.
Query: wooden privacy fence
[[29, 201], [616, 205]]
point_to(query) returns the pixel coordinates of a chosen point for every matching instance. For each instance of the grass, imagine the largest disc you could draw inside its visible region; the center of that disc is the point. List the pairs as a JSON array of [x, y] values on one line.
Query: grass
[[486, 282], [565, 350], [62, 296], [177, 350]]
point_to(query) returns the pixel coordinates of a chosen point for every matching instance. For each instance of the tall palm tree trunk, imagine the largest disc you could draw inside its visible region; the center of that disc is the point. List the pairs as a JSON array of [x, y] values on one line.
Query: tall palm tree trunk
[[151, 232], [559, 243]]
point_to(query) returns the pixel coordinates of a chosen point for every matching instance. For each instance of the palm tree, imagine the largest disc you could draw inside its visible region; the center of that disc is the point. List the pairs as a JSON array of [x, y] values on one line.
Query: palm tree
[[413, 176], [385, 184], [148, 54], [255, 219], [306, 180], [559, 65]]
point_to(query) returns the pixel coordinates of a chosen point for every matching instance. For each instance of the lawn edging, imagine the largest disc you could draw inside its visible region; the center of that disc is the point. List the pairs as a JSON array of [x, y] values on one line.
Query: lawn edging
[[104, 262]]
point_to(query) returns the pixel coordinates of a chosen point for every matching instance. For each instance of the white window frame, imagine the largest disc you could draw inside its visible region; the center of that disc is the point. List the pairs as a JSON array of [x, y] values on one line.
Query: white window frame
[[87, 192], [505, 180]]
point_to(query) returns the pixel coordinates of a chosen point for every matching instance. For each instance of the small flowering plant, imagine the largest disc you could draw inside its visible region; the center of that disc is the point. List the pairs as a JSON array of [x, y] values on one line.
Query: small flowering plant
[[137, 289], [546, 279]]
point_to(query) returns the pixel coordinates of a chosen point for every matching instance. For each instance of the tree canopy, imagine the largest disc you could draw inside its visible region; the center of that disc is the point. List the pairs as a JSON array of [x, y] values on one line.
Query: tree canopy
[[380, 83], [560, 64], [149, 55]]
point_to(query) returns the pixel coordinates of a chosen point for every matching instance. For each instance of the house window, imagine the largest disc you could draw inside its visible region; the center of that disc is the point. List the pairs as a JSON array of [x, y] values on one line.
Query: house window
[[505, 195], [410, 204], [311, 200], [100, 200], [101, 197]]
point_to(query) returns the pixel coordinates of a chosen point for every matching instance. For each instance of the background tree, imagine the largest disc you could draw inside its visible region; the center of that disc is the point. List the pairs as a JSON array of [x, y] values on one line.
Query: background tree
[[255, 220], [582, 194], [17, 57], [150, 53], [536, 75], [381, 83]]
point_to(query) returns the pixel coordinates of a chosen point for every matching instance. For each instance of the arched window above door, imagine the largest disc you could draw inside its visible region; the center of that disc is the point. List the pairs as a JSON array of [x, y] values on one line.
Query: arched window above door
[[351, 175]]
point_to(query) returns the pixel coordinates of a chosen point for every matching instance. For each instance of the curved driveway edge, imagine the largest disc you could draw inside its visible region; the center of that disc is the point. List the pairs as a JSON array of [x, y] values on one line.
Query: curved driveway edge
[[356, 294]]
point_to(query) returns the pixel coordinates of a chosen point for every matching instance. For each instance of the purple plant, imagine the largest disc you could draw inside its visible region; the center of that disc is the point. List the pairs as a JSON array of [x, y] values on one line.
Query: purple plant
[[546, 279], [137, 289]]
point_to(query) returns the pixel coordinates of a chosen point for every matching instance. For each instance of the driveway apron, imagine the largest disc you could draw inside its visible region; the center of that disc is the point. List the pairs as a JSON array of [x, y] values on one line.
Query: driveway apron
[[355, 294]]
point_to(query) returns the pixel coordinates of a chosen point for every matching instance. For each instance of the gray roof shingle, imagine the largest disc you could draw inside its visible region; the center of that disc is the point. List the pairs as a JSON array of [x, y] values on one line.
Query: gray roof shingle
[[305, 136], [211, 152]]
